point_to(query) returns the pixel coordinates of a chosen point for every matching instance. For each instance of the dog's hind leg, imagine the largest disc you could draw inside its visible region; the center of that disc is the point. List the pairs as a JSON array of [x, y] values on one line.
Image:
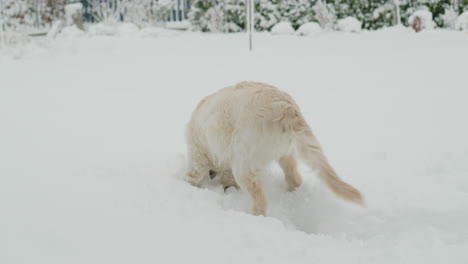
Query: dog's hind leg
[[289, 165]]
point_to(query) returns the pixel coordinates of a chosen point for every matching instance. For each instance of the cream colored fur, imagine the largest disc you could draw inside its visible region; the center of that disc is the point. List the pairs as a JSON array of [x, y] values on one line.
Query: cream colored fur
[[239, 130]]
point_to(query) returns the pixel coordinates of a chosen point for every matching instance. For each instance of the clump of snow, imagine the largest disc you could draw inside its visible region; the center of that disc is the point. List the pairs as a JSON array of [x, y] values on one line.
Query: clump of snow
[[325, 14], [449, 17], [282, 28], [179, 25], [462, 21], [349, 24], [152, 32], [127, 29], [71, 32], [421, 19], [308, 29], [55, 29], [102, 29], [113, 29]]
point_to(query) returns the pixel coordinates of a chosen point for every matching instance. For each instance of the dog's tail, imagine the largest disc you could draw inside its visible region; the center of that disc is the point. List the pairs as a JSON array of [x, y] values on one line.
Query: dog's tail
[[311, 152]]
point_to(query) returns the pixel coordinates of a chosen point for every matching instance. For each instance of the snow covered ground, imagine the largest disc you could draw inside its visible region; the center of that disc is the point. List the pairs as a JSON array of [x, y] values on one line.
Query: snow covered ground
[[92, 152]]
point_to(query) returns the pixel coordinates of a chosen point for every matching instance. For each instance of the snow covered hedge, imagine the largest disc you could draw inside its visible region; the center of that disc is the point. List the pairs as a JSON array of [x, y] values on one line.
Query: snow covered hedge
[[372, 14], [229, 15]]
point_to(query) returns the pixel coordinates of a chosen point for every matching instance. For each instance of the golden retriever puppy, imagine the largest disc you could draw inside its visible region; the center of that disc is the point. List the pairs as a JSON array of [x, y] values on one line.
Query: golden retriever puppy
[[236, 132]]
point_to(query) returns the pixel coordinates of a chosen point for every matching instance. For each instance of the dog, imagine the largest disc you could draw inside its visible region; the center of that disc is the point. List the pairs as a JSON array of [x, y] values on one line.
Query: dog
[[235, 133]]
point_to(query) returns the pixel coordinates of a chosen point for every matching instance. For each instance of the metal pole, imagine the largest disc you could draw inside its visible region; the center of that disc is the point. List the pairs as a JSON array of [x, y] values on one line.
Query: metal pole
[[250, 21], [396, 6]]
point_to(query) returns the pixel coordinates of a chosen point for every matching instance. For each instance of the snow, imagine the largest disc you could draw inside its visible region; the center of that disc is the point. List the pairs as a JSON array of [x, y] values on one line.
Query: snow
[[72, 10], [282, 28], [310, 28], [93, 154], [426, 19], [349, 24], [179, 25], [462, 21], [449, 18]]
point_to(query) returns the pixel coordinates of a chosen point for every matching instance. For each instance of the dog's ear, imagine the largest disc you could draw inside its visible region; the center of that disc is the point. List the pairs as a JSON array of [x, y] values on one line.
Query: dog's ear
[[212, 174]]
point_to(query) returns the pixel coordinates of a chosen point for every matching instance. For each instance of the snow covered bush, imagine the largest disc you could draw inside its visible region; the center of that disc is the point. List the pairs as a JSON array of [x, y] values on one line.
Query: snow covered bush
[[421, 19], [234, 15], [214, 19], [449, 18], [373, 14], [297, 12], [282, 28], [438, 9], [349, 24], [138, 12], [107, 11], [17, 13], [462, 21], [51, 10], [324, 14], [308, 29], [232, 12], [266, 15]]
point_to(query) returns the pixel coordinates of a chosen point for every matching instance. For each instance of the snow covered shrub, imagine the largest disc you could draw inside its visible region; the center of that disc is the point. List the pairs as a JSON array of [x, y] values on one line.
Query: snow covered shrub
[[449, 18], [138, 12], [282, 28], [159, 11], [421, 19], [214, 19], [373, 14], [349, 24], [266, 15], [297, 12], [234, 15], [462, 21], [17, 13], [200, 18], [52, 10], [197, 10], [107, 11], [441, 10], [309, 28], [15, 17], [324, 14]]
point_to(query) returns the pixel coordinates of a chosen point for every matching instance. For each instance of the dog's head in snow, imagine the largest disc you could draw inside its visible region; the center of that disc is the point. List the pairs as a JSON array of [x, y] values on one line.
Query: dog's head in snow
[[223, 177]]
